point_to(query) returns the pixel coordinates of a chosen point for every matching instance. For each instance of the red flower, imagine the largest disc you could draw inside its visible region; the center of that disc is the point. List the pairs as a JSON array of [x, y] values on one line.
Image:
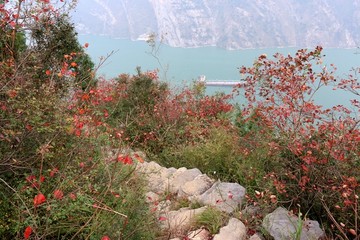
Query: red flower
[[58, 194], [39, 199], [125, 159], [27, 232], [128, 160], [105, 238]]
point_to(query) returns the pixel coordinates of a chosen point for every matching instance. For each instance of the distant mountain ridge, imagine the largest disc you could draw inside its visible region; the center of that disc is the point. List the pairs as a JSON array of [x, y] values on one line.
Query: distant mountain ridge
[[230, 24]]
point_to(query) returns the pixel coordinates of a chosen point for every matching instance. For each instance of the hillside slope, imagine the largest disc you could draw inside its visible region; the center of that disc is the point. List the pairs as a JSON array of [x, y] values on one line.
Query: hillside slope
[[226, 23]]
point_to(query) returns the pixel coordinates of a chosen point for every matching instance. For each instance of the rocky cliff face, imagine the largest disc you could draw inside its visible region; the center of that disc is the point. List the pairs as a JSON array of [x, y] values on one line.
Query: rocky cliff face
[[230, 24]]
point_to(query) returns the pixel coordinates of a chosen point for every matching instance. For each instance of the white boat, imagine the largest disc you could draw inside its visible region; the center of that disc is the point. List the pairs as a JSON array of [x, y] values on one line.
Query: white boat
[[202, 79]]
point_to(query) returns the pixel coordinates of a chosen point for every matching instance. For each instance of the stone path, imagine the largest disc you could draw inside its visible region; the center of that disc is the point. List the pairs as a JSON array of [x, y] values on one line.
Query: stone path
[[203, 192]]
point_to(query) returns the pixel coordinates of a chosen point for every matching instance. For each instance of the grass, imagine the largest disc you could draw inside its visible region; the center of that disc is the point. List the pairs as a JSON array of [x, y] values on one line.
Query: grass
[[212, 219]]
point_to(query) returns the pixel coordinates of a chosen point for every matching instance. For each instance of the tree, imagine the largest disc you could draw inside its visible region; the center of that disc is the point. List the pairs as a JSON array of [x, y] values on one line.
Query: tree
[[55, 41]]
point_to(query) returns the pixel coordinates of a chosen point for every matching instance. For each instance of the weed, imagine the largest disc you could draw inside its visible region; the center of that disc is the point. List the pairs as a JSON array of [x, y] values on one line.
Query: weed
[[212, 219]]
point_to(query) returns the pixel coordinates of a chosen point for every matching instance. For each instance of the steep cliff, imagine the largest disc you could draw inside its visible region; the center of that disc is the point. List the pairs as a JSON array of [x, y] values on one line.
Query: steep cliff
[[231, 24]]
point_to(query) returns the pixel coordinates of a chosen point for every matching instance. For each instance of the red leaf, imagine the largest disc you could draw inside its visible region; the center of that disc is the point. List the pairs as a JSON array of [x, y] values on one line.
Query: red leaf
[[42, 178], [352, 231], [31, 178], [162, 218], [72, 196], [13, 24], [12, 93], [106, 113], [78, 132], [53, 172], [28, 127], [304, 168], [58, 194], [39, 199], [139, 158], [27, 232], [85, 97], [82, 111]]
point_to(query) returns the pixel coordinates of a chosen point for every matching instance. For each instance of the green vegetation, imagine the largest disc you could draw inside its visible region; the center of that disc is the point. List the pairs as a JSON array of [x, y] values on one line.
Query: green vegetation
[[57, 179], [212, 219], [60, 127]]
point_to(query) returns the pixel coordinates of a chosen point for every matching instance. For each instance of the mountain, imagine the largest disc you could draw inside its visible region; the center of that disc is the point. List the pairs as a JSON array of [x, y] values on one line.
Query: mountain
[[230, 24]]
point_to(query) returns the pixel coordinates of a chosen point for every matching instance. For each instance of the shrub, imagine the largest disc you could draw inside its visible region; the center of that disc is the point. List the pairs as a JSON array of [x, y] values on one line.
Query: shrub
[[215, 154], [315, 150], [57, 180]]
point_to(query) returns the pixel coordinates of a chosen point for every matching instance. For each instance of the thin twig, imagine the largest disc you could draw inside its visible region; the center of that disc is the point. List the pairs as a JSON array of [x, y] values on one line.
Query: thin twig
[[333, 219], [108, 209], [27, 209]]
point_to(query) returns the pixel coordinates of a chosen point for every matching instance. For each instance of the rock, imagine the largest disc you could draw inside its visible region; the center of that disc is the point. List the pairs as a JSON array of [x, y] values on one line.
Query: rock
[[163, 207], [176, 222], [282, 225], [256, 236], [151, 197], [312, 229], [157, 176], [155, 205], [182, 176], [148, 167], [200, 234], [251, 210], [226, 197], [196, 187], [234, 230], [226, 24]]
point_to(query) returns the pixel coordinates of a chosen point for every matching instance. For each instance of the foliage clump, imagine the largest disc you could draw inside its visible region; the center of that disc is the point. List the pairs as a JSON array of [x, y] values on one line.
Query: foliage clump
[[59, 175], [311, 152]]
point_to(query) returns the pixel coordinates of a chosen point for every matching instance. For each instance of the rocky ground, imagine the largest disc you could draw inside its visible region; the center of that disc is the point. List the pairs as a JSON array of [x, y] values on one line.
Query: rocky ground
[[199, 192]]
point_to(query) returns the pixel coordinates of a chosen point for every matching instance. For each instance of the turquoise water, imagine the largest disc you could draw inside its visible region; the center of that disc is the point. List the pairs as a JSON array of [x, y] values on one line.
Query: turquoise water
[[182, 66]]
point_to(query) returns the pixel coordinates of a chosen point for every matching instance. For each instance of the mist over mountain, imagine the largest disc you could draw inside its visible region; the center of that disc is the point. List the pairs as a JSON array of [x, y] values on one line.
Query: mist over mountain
[[230, 24]]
